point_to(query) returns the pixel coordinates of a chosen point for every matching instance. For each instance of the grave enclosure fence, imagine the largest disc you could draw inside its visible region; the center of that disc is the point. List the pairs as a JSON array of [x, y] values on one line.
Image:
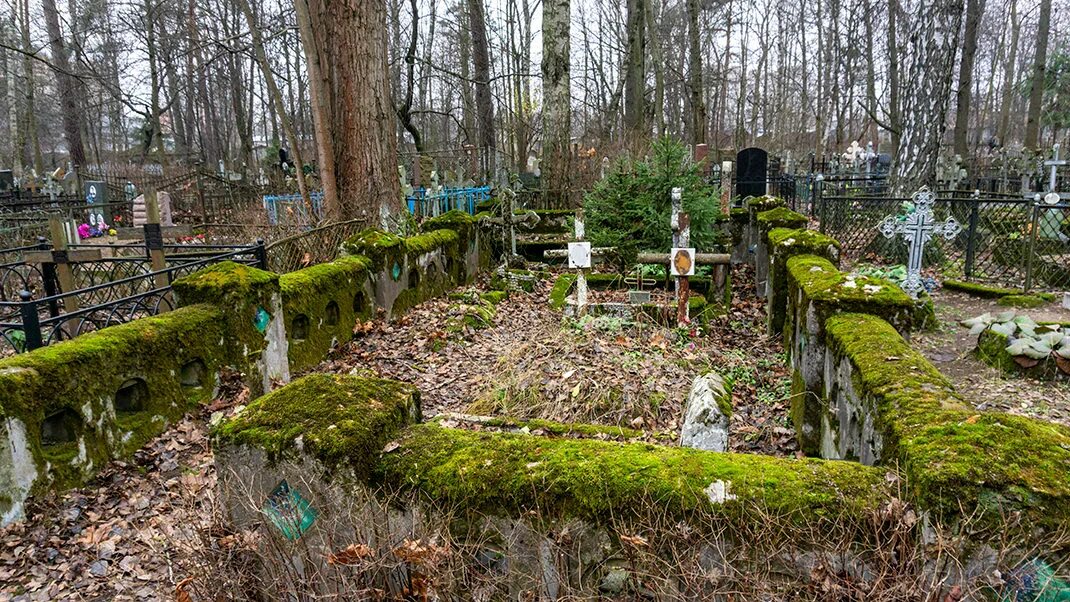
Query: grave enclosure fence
[[1005, 240], [35, 311]]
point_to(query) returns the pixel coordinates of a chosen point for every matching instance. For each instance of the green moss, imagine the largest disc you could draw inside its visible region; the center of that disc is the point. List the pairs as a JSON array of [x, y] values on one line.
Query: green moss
[[568, 429], [511, 474], [333, 418], [494, 297], [834, 291], [780, 217], [376, 245], [785, 243], [224, 284], [330, 297], [431, 241], [559, 292], [1027, 301], [759, 204], [80, 378], [992, 350], [955, 458], [980, 290]]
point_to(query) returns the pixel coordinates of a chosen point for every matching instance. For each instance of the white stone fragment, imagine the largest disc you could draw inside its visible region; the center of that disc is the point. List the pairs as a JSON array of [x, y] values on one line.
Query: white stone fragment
[[718, 492], [705, 424]]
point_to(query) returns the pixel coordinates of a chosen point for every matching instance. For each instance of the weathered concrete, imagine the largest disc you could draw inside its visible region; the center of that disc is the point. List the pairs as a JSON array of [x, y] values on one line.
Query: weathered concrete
[[707, 413]]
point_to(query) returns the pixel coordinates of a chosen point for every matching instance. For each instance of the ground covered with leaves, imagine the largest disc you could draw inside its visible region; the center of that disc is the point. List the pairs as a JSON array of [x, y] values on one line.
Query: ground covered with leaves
[[527, 362], [151, 528], [951, 348]]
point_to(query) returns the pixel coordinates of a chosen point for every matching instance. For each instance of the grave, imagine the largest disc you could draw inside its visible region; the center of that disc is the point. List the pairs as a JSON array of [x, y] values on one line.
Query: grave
[[752, 172]]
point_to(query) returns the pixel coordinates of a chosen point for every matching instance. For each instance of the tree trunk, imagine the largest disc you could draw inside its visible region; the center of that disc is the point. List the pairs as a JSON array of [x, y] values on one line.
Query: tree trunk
[[1008, 75], [1036, 88], [345, 44], [72, 119], [484, 103], [698, 105], [974, 10], [557, 100], [893, 73], [934, 30], [635, 73]]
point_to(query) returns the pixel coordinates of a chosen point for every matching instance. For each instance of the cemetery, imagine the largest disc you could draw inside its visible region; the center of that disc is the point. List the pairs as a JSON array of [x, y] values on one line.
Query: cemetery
[[501, 300]]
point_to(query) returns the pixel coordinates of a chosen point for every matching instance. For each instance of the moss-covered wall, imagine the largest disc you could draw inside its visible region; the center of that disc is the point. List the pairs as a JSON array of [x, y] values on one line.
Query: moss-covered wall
[[816, 291], [955, 459], [69, 408], [321, 304], [785, 243]]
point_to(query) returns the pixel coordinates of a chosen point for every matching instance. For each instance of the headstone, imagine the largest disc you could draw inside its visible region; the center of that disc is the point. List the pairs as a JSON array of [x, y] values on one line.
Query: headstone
[[752, 172], [141, 212], [7, 180], [917, 227], [96, 194], [705, 419]]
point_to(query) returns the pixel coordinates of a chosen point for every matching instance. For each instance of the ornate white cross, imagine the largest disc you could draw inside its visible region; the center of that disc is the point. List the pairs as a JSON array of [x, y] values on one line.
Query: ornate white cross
[[917, 227]]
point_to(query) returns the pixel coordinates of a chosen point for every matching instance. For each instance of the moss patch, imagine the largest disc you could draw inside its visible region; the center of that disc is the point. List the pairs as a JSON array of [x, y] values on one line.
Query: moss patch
[[780, 217], [559, 293], [513, 473], [333, 418], [1027, 301], [955, 459], [834, 291], [785, 243], [980, 290]]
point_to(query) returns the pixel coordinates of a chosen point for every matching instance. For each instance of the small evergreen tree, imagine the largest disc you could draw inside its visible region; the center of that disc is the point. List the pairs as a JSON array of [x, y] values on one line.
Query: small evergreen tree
[[630, 208]]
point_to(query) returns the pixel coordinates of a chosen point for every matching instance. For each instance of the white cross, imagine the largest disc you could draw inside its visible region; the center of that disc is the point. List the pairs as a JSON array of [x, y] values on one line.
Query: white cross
[[917, 227]]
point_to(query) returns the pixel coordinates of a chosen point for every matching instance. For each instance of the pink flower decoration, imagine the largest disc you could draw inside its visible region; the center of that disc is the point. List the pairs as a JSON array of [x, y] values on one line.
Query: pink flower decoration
[[83, 231]]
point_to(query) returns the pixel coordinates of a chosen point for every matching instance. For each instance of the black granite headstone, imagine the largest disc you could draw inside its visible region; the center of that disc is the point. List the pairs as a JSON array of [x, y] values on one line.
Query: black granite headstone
[[752, 171]]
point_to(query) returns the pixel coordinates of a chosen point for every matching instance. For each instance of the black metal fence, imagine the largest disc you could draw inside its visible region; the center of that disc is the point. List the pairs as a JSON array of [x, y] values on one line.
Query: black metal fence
[[108, 291], [1011, 242]]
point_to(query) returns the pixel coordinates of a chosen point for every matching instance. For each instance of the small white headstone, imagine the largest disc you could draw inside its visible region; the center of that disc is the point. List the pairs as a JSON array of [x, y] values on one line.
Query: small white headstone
[[1066, 300], [705, 425], [579, 255]]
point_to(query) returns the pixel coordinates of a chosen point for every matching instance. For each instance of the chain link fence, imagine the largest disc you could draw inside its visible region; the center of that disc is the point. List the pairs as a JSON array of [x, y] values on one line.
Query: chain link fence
[[1005, 241]]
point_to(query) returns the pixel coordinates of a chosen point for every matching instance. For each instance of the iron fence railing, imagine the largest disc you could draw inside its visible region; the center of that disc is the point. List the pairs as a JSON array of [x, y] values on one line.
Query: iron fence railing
[[1012, 242], [34, 321], [316, 245]]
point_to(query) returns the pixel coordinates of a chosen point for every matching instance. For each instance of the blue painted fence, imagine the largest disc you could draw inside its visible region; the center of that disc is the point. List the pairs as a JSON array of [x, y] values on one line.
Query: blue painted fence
[[291, 209]]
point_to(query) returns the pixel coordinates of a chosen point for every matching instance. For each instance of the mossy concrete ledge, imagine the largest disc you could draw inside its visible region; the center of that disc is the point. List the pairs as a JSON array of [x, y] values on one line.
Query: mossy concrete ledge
[[955, 459], [69, 408], [253, 310], [816, 291], [408, 271], [992, 350], [321, 304], [785, 243], [779, 217], [336, 419]]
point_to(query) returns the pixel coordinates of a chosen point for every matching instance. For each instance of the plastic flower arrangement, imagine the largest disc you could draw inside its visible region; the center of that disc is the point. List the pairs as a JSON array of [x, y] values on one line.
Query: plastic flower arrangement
[[93, 230]]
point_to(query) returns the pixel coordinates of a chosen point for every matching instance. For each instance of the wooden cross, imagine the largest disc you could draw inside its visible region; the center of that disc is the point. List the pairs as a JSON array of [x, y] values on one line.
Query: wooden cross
[[682, 257], [579, 258], [916, 228]]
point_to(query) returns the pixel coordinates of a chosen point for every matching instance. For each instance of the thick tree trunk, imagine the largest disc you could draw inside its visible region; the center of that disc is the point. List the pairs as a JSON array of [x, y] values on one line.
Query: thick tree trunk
[[72, 118], [557, 100], [698, 105], [635, 73], [484, 103], [934, 33], [1036, 88], [345, 44], [974, 10]]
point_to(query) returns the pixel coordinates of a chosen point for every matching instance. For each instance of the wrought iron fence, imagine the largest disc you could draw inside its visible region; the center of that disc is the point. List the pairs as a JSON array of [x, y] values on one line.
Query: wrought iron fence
[[317, 245], [1012, 242], [34, 321]]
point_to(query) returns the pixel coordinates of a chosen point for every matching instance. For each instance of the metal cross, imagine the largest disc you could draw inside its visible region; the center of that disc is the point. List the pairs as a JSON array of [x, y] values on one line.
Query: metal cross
[[917, 227]]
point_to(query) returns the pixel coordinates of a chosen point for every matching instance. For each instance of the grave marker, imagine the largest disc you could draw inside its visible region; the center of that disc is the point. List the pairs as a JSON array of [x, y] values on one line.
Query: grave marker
[[752, 172], [579, 259], [917, 227]]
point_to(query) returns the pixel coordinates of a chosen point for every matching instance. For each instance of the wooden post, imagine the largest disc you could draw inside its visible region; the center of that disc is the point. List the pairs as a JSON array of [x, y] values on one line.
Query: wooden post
[[64, 273], [580, 233], [726, 186], [701, 153], [683, 284], [154, 239]]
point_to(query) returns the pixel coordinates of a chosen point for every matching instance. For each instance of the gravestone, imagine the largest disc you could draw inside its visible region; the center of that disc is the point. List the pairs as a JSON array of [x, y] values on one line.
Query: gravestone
[[752, 172], [141, 212], [7, 180], [96, 194]]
